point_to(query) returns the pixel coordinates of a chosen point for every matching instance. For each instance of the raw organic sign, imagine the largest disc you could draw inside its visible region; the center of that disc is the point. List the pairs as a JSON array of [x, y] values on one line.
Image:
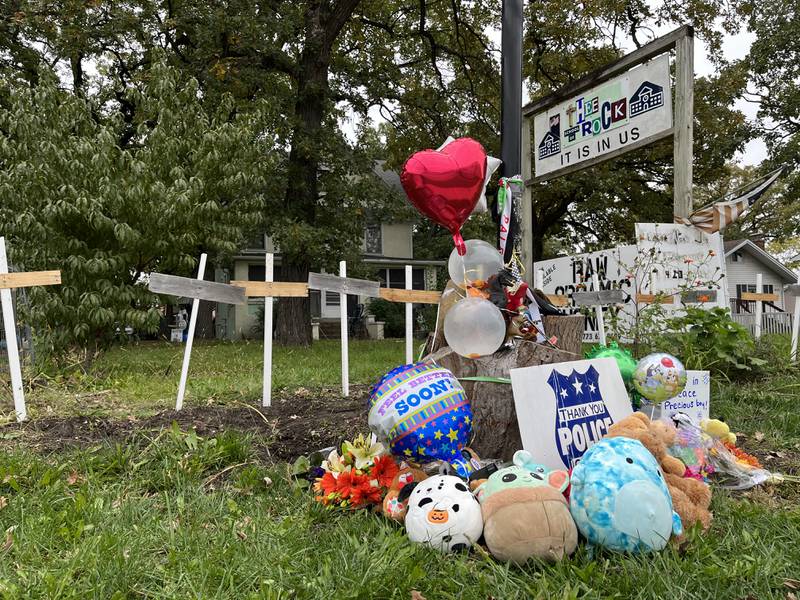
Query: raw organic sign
[[570, 274], [624, 110], [686, 259], [565, 408]]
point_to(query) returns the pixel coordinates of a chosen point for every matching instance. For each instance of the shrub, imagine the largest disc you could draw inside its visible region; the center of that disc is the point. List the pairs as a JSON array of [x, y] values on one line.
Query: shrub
[[711, 340], [393, 314]]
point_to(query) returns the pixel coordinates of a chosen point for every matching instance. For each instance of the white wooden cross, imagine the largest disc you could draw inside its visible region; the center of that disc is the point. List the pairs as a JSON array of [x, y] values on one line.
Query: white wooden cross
[[345, 285], [197, 289], [9, 281], [269, 290], [759, 297], [794, 290]]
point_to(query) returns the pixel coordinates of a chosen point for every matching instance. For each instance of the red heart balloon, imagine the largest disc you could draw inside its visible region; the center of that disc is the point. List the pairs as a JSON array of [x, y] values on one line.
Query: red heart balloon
[[445, 184]]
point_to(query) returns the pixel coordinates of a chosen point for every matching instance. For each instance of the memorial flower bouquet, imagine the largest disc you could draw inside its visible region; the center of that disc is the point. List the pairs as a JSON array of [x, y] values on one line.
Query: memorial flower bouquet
[[358, 477]]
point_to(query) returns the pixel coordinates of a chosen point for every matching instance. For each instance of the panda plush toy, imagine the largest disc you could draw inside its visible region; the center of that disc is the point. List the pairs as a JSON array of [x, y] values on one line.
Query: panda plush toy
[[442, 513]]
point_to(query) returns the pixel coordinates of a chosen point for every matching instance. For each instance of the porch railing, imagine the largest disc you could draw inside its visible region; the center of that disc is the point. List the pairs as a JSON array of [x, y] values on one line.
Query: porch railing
[[771, 322]]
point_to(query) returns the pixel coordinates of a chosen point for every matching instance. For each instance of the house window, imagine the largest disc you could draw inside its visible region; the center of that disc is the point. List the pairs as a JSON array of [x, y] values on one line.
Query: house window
[[396, 278], [256, 242], [373, 239], [258, 272], [747, 305], [767, 288], [332, 299], [736, 257]]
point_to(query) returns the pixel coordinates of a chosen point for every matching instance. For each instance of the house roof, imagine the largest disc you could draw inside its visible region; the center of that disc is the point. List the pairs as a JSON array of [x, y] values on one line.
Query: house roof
[[390, 178], [762, 255]]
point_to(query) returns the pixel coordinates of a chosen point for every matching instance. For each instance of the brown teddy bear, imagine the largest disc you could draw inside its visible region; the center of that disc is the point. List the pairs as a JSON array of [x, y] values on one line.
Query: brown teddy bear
[[690, 497]]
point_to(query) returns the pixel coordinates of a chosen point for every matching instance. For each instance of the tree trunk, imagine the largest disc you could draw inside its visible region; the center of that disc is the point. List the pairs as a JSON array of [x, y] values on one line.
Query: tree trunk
[[569, 331], [323, 23], [294, 314], [495, 433], [293, 323], [205, 328]]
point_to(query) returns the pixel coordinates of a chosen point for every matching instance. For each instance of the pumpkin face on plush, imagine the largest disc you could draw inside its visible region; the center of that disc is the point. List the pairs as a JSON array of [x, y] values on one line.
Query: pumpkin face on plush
[[525, 514], [441, 512]]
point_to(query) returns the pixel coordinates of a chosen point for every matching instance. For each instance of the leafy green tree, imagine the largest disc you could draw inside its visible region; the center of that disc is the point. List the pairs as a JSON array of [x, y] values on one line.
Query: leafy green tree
[[72, 198], [306, 68], [316, 63], [772, 68]]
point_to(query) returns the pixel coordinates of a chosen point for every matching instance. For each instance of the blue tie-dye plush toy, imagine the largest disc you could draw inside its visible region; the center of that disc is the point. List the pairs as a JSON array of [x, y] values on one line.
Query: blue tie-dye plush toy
[[619, 499]]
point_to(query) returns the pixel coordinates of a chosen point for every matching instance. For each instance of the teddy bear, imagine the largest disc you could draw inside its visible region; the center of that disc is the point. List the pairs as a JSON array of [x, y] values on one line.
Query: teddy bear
[[524, 511], [691, 498], [393, 506]]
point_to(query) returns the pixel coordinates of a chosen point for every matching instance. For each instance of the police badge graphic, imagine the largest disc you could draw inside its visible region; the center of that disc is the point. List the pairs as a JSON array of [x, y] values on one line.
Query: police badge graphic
[[582, 417]]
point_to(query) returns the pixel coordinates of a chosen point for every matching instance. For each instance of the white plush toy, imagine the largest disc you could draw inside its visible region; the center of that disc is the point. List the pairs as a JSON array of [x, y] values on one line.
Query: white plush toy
[[443, 513]]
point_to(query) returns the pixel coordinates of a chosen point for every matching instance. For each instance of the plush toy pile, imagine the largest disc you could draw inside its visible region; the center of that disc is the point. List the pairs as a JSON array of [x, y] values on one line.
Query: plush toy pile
[[644, 483]]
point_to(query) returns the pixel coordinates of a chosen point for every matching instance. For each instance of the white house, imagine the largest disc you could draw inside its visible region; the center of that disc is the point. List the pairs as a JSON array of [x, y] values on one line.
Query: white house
[[387, 247], [744, 260]]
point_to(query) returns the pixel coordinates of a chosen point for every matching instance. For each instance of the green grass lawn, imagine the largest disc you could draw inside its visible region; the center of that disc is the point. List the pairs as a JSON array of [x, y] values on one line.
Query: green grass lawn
[[143, 378], [161, 517]]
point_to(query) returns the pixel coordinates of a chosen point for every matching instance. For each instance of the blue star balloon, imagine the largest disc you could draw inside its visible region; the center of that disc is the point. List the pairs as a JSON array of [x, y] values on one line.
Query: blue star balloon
[[421, 410]]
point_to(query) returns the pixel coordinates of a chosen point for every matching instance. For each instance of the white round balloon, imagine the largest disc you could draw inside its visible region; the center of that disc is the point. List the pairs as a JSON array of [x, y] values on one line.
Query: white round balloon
[[474, 327], [481, 261]]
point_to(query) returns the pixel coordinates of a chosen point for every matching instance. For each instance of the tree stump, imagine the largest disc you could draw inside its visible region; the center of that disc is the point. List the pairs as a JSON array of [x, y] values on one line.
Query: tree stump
[[568, 329], [494, 416]]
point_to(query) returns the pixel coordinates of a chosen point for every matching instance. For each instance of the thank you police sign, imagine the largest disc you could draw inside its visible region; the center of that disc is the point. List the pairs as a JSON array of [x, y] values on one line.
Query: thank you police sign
[[565, 408], [617, 113]]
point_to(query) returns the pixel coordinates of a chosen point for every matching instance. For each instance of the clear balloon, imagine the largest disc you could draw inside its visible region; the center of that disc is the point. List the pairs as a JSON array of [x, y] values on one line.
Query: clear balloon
[[659, 377], [481, 261], [474, 327]]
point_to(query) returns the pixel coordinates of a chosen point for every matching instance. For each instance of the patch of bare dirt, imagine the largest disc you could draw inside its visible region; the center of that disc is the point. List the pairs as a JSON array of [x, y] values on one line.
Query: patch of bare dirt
[[295, 424]]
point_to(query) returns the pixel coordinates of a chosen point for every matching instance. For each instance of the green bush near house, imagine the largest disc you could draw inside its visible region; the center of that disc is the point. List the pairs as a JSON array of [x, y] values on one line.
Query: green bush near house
[[711, 340], [393, 314]]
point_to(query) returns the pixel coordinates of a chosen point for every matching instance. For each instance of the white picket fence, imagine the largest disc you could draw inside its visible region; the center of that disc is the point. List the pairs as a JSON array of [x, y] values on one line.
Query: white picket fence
[[771, 322]]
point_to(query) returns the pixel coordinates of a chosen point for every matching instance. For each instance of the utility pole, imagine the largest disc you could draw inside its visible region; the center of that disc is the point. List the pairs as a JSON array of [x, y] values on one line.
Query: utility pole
[[511, 99]]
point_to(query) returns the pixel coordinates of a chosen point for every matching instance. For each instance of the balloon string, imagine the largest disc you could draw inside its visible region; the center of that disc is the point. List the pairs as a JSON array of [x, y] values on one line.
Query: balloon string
[[461, 247]]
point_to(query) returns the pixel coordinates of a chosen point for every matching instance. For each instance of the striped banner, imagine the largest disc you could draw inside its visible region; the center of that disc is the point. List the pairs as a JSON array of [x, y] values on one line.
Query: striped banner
[[715, 217]]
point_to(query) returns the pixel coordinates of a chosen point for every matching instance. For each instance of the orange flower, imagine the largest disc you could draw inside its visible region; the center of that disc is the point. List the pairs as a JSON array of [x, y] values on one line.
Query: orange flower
[[384, 470], [346, 482], [326, 484], [365, 493]]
